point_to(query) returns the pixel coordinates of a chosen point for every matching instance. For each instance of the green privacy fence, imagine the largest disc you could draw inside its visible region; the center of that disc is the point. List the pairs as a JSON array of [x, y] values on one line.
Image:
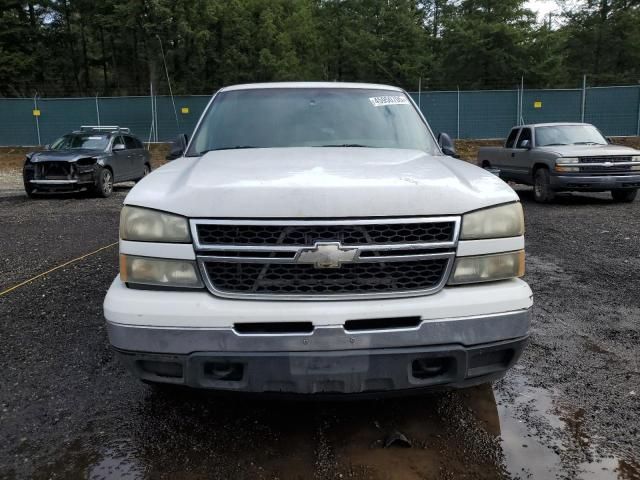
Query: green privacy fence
[[463, 114]]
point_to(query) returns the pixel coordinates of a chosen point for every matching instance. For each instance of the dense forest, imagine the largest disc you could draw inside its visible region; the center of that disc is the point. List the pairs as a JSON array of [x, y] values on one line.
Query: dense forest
[[117, 47]]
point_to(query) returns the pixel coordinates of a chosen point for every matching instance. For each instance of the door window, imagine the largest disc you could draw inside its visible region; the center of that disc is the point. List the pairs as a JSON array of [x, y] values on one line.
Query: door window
[[130, 143], [511, 140], [525, 135]]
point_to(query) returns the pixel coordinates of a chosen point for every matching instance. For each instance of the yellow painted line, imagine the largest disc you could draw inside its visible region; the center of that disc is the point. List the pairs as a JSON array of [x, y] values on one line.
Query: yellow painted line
[[4, 292]]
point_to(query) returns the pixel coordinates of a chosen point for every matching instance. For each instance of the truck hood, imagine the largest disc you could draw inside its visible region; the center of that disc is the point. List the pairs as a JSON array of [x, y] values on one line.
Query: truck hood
[[63, 155], [590, 150], [318, 182]]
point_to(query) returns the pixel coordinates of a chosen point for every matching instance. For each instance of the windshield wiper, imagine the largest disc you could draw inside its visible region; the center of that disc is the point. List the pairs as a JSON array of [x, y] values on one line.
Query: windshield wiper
[[587, 143], [346, 145], [235, 147], [553, 144]]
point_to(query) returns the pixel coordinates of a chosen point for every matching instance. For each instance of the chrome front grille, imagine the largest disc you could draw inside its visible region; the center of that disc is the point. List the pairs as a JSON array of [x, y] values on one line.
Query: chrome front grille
[[301, 234], [606, 164], [323, 259]]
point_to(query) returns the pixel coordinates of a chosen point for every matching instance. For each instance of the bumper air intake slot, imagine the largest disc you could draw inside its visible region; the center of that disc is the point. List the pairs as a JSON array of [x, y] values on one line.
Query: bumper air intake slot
[[161, 369], [485, 362], [382, 323], [273, 328]]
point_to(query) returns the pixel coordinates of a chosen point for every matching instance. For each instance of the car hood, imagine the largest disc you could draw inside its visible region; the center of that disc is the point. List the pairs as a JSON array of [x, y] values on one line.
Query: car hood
[[63, 155], [590, 150], [318, 182]]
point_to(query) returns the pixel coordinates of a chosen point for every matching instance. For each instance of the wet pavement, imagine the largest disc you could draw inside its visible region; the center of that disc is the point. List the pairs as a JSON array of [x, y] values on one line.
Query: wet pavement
[[568, 410]]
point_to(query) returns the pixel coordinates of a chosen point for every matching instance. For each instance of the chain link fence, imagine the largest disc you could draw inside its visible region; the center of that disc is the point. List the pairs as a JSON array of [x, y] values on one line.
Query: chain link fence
[[481, 114]]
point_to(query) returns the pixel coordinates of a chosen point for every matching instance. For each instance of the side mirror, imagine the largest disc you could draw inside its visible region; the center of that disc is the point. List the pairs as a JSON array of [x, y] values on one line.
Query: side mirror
[[446, 145], [609, 140], [525, 144], [178, 147], [48, 147], [118, 147]]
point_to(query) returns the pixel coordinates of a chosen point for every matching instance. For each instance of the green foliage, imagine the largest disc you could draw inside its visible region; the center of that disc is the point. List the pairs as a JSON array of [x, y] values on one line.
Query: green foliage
[[114, 47]]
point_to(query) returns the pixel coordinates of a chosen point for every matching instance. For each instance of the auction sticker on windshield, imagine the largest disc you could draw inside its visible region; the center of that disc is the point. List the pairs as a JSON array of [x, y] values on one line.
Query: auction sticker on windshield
[[388, 100]]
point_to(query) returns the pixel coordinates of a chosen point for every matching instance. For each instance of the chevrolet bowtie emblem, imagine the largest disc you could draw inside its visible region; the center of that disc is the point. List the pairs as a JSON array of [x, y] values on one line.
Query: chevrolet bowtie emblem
[[327, 255]]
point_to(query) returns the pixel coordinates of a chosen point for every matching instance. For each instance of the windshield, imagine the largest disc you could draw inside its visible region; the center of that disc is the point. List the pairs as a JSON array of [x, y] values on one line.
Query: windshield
[[569, 135], [311, 117], [91, 142]]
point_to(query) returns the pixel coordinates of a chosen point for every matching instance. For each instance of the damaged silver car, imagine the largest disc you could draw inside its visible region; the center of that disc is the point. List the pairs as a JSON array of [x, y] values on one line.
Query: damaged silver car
[[92, 158]]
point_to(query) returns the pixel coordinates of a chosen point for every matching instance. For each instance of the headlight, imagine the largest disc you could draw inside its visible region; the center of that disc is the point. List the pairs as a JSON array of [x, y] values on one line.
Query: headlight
[[159, 272], [563, 161], [496, 222], [487, 268], [635, 158], [151, 226]]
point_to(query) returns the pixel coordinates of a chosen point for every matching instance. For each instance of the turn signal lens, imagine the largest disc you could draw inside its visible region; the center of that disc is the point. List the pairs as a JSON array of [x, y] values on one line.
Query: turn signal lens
[[488, 268], [159, 272]]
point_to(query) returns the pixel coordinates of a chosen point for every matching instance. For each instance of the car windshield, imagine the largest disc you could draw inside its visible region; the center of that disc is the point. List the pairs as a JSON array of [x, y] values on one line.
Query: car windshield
[[311, 117], [88, 141], [569, 135]]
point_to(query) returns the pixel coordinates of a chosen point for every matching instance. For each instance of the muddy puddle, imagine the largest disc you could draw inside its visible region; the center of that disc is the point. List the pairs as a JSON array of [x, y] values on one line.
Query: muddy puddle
[[514, 430]]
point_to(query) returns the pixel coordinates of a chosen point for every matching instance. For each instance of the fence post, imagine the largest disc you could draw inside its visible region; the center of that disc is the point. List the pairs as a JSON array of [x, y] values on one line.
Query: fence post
[[638, 123], [521, 119], [97, 109], [584, 97], [420, 94], [458, 115], [35, 107]]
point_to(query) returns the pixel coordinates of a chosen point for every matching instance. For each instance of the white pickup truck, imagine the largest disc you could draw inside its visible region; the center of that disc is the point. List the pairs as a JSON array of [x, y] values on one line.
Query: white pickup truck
[[313, 238]]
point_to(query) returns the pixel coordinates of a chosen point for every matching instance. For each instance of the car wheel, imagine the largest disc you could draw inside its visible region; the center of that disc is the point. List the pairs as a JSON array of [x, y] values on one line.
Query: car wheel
[[147, 171], [625, 196], [542, 191], [104, 185], [28, 189]]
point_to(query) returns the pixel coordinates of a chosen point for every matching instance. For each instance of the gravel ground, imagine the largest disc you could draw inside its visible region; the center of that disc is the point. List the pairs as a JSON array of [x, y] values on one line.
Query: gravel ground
[[69, 410]]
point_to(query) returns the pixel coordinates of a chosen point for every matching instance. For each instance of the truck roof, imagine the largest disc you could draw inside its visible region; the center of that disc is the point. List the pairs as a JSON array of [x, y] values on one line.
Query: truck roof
[[550, 124], [253, 86]]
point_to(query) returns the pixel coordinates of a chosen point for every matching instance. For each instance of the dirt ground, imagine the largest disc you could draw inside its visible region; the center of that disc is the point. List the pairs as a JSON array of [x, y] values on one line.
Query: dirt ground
[[68, 409]]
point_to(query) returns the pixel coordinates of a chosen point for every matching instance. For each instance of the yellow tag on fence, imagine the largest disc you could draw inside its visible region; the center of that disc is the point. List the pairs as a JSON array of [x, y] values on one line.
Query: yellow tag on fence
[[36, 112], [184, 110], [537, 104]]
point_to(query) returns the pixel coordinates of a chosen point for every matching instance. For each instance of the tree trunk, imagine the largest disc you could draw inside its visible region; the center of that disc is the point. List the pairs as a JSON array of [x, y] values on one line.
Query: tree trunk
[[105, 78], [67, 18]]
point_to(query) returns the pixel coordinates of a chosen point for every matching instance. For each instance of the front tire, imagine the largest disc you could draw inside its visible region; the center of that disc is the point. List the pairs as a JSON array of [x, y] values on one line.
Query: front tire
[[104, 183], [624, 196], [542, 191], [147, 171], [28, 188]]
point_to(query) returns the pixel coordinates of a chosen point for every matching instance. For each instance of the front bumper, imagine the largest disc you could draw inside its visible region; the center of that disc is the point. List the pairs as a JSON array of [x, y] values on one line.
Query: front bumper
[[594, 182], [75, 179], [331, 372], [465, 335]]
